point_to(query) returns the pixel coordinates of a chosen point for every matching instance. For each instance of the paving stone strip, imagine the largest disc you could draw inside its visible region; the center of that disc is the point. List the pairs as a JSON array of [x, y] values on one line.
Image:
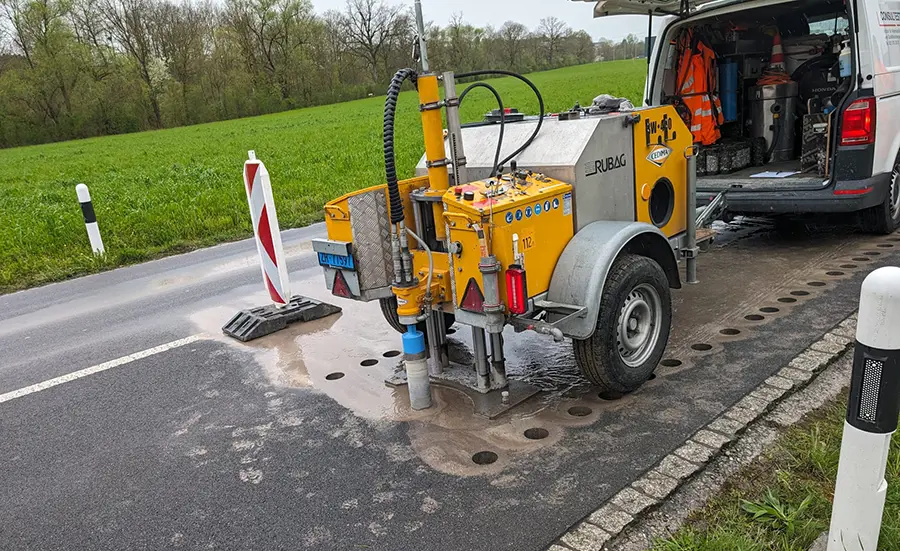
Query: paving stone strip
[[657, 504]]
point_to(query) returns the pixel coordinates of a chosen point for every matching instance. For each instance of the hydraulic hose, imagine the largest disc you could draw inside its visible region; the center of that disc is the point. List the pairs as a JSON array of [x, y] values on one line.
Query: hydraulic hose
[[537, 93], [496, 170], [390, 166]]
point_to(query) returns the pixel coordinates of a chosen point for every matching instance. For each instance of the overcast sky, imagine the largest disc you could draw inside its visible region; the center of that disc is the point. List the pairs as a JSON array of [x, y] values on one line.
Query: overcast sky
[[529, 12]]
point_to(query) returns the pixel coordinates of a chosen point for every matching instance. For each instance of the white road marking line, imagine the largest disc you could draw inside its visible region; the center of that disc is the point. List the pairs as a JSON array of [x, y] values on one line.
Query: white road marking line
[[74, 376]]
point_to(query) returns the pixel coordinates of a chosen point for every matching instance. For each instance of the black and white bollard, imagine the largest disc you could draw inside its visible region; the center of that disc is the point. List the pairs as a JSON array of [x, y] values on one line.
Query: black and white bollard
[[871, 417], [90, 219]]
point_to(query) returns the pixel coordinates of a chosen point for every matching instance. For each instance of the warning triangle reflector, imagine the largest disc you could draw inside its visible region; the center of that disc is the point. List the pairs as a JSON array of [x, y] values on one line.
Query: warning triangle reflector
[[340, 287], [473, 298]]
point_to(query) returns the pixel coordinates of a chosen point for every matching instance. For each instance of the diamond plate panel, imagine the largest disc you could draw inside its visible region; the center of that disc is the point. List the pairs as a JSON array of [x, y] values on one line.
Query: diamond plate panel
[[372, 239]]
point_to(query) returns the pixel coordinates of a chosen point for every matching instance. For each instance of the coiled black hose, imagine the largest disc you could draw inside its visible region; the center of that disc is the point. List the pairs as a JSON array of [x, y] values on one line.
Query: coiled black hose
[[496, 170], [390, 165], [537, 93]]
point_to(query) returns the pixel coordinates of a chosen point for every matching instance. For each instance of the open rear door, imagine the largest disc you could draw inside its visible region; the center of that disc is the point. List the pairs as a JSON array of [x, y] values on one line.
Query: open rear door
[[604, 8]]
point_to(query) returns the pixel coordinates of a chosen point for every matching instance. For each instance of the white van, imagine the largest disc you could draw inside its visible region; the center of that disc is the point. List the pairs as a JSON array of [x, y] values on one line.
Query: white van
[[833, 145]]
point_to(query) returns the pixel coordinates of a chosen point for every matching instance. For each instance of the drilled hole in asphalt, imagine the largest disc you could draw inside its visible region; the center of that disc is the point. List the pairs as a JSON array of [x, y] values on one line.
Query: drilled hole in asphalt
[[451, 331], [816, 284], [861, 259], [580, 411], [610, 396], [484, 458], [787, 300], [849, 266], [368, 363], [671, 362], [872, 253], [835, 274], [334, 376], [886, 246], [769, 310], [730, 332], [894, 239], [800, 293], [653, 376], [537, 434], [701, 347], [391, 354], [754, 317]]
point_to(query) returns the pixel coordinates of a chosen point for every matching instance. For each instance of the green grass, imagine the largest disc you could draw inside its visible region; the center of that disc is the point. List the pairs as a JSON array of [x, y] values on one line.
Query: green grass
[[801, 467], [159, 193]]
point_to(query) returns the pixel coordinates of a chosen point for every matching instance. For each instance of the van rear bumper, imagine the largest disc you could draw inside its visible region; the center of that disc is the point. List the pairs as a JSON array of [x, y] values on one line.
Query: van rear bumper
[[847, 196]]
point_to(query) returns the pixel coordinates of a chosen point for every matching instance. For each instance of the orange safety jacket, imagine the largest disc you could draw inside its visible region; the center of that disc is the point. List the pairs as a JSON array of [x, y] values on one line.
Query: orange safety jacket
[[697, 84]]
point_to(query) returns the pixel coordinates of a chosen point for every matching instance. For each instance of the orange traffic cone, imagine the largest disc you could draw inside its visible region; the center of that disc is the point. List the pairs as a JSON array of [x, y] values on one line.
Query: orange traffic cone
[[776, 72], [776, 64]]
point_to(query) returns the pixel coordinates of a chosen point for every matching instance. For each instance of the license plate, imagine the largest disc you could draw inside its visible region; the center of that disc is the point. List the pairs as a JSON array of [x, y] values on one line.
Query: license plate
[[337, 261]]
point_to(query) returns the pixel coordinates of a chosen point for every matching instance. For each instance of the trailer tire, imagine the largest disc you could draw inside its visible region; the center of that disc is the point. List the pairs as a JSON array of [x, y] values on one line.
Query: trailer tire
[[389, 311], [637, 300]]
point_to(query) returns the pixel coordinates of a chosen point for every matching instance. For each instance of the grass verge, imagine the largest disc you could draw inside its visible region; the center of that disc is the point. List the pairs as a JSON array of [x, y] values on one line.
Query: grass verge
[[169, 191], [782, 501]]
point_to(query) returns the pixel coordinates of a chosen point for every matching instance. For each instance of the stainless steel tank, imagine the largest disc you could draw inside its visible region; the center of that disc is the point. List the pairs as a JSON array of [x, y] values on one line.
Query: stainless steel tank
[[765, 103]]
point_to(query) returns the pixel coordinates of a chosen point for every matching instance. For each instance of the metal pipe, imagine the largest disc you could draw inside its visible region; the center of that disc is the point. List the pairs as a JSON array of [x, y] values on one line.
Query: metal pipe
[[431, 332], [454, 130], [430, 263], [498, 361], [482, 371], [420, 26], [691, 251], [442, 339], [417, 380]]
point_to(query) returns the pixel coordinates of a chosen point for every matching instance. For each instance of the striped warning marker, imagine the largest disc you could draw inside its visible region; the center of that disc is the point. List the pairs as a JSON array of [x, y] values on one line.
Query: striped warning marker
[[265, 227]]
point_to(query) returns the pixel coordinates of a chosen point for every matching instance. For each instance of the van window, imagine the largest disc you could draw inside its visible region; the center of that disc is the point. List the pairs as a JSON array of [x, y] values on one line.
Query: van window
[[830, 26]]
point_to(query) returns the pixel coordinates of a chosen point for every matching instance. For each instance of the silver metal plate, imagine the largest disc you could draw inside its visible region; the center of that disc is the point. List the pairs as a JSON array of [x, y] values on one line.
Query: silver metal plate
[[371, 228]]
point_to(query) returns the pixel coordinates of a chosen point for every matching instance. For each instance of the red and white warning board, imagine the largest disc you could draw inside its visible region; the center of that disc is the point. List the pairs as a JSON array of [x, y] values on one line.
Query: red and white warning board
[[265, 227]]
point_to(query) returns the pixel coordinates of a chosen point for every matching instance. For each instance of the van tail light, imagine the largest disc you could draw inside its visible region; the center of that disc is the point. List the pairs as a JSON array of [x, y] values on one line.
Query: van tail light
[[858, 126], [516, 290]]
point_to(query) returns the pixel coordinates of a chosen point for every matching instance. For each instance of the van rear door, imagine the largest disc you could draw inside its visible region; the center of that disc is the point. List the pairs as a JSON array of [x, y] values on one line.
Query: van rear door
[[605, 8]]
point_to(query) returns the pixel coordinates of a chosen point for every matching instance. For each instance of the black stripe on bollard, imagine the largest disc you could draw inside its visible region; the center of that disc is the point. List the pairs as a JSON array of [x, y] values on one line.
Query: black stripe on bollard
[[874, 390], [87, 209]]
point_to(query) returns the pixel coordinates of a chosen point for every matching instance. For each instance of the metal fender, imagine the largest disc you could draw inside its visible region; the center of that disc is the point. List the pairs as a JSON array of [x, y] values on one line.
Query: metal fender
[[581, 272]]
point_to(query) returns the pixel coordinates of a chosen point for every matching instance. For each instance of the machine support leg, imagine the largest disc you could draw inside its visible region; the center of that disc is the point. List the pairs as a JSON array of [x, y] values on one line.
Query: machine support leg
[[442, 340], [871, 421], [435, 367], [498, 361], [690, 249], [481, 360]]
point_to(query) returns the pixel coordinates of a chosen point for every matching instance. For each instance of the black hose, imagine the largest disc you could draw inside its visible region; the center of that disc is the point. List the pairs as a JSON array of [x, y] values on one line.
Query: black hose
[[390, 165], [775, 137], [537, 93], [496, 170]]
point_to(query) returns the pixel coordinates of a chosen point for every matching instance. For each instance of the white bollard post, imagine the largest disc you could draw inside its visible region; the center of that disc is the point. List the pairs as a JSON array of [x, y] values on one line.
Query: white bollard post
[[90, 219], [265, 227], [871, 417]]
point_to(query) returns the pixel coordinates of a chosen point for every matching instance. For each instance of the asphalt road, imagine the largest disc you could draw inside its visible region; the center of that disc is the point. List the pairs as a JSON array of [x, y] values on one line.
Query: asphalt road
[[212, 444]]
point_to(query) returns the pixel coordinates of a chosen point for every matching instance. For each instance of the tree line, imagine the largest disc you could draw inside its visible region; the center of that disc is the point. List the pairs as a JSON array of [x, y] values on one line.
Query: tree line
[[80, 68]]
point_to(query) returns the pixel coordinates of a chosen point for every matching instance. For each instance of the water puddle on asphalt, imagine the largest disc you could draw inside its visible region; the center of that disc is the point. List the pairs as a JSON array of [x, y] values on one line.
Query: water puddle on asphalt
[[349, 356]]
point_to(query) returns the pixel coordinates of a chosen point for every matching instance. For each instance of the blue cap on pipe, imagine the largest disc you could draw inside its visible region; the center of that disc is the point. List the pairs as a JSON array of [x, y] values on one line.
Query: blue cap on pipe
[[413, 341]]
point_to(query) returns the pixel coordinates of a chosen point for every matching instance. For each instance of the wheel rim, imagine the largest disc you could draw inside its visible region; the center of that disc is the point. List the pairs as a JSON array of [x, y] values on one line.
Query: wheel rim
[[639, 325], [895, 194]]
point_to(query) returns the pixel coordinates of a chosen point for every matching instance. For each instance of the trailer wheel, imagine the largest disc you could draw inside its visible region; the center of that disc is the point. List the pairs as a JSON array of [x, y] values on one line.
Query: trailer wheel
[[632, 328], [389, 311], [885, 219]]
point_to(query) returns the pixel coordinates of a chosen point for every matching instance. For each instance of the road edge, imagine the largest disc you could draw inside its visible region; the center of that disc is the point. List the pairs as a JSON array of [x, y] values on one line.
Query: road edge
[[624, 522]]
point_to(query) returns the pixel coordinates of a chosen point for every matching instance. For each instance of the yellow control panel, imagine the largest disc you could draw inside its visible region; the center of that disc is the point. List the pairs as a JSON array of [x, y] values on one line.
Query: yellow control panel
[[531, 207]]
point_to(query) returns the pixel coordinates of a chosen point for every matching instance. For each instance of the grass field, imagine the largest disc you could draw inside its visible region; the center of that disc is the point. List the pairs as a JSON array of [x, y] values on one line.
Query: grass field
[[158, 193], [792, 489]]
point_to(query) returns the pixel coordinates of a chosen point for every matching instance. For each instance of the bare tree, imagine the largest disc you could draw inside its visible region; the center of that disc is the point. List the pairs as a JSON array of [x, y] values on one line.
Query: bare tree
[[553, 33], [370, 27], [512, 37], [131, 26], [270, 33]]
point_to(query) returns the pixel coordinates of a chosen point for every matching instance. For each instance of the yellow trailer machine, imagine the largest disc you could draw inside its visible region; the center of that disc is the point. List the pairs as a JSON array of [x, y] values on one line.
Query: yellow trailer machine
[[576, 233]]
